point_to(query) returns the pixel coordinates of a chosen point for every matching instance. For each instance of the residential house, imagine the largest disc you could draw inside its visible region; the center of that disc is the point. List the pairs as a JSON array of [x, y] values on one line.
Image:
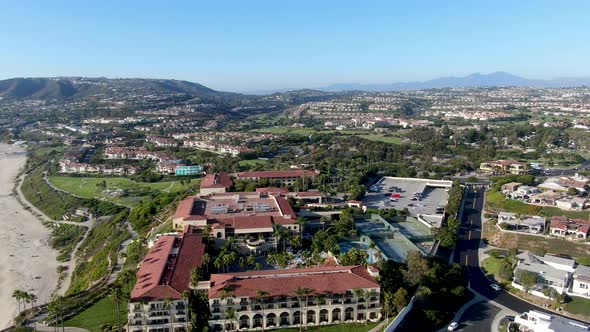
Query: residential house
[[571, 203], [499, 167], [536, 321], [551, 271], [188, 170], [511, 187], [572, 228], [335, 294], [581, 281]]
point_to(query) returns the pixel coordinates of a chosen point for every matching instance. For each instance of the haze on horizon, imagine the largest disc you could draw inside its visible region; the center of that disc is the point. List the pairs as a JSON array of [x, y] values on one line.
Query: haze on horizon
[[264, 45]]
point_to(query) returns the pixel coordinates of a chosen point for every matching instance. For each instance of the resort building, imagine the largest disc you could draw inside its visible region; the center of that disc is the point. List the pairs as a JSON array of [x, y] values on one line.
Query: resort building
[[215, 183], [188, 170], [158, 302], [292, 298], [248, 217], [283, 177]]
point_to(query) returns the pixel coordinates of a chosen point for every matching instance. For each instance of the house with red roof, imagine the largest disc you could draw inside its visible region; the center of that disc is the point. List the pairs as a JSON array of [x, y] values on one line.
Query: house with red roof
[[569, 228], [215, 183], [290, 297], [499, 167], [157, 299]]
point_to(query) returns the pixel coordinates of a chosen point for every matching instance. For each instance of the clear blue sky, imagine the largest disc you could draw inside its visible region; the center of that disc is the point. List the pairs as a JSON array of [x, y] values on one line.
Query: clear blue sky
[[248, 45]]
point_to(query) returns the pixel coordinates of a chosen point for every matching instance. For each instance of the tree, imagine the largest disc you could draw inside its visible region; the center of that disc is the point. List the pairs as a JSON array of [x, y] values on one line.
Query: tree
[[195, 277], [449, 234], [168, 305], [56, 307], [206, 261], [186, 295], [583, 260], [505, 270], [117, 296], [401, 299], [230, 315], [302, 293], [572, 191], [360, 293], [260, 294], [17, 294], [417, 266], [526, 278]]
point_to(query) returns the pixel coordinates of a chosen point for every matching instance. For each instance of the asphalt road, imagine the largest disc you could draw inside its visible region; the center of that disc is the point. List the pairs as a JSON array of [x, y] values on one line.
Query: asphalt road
[[466, 254], [478, 318]]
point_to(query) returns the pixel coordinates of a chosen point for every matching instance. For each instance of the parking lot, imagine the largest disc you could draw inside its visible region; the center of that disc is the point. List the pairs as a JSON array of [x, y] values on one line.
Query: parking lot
[[422, 197]]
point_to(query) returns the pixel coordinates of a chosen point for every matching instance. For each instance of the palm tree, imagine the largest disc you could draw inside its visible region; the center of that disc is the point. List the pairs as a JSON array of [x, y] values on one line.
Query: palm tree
[[360, 293], [195, 277], [260, 294], [301, 222], [33, 299], [168, 305], [207, 232], [320, 299], [56, 307], [206, 261], [144, 304], [117, 296], [251, 260], [186, 295], [230, 314], [17, 295], [302, 292]]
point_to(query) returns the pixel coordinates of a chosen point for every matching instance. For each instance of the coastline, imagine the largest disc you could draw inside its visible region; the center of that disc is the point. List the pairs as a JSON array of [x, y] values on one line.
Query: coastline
[[28, 262]]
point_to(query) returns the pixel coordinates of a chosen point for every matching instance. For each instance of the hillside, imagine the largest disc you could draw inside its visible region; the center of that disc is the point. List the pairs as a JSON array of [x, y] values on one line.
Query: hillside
[[73, 87]]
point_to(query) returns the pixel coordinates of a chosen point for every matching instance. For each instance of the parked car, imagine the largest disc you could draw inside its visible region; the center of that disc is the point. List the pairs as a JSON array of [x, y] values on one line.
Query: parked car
[[453, 326], [496, 287]]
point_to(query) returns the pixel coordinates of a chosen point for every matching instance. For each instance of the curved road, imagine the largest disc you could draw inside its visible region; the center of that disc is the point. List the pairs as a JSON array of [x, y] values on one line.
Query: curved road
[[466, 253]]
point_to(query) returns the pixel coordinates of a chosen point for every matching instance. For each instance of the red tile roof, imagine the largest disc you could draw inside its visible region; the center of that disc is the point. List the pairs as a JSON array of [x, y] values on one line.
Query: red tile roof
[[247, 222], [563, 223], [323, 280], [277, 174], [273, 190], [216, 180], [162, 275]]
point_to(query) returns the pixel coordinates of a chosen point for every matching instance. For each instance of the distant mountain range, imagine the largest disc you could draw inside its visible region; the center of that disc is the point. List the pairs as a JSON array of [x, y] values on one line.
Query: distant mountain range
[[474, 80], [72, 87]]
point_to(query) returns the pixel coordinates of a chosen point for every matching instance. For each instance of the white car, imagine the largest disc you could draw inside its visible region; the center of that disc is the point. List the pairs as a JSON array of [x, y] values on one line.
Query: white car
[[496, 287], [453, 326]]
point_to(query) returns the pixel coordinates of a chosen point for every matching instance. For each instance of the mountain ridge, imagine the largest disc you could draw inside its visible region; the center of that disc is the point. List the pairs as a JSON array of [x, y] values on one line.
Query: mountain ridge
[[72, 87], [498, 78]]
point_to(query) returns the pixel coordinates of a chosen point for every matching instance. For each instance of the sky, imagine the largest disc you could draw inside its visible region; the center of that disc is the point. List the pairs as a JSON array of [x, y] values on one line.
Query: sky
[[250, 45]]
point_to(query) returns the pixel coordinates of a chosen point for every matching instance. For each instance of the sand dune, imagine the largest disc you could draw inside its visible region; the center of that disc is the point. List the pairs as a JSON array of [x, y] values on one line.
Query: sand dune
[[26, 260]]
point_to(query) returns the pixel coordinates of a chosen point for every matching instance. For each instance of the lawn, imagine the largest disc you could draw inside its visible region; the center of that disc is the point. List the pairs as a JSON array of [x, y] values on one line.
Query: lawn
[[353, 327], [41, 152], [87, 187], [252, 162], [101, 313], [382, 138], [578, 306], [555, 246], [497, 201], [492, 265]]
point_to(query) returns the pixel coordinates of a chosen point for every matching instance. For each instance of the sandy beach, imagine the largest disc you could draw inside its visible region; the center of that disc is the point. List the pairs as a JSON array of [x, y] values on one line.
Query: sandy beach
[[27, 261]]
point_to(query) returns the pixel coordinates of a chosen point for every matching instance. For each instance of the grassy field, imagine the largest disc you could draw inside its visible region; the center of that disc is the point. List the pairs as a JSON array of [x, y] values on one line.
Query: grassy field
[[103, 312], [491, 265], [337, 328], [45, 198], [551, 245], [578, 306], [382, 138], [41, 152], [252, 162], [497, 201], [87, 187]]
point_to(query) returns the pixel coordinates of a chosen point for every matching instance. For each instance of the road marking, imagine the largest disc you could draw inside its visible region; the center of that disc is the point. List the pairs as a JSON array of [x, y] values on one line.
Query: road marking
[[469, 235], [466, 260]]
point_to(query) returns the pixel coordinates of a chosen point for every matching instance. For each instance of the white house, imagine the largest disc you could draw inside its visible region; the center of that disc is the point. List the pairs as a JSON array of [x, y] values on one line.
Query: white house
[[536, 321], [581, 281]]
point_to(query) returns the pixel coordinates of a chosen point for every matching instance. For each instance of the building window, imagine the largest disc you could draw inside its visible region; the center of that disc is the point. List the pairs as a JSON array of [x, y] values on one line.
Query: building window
[[583, 285]]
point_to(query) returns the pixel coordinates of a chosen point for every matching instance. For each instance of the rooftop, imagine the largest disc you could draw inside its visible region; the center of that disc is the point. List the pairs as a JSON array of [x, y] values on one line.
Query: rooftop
[[322, 280], [276, 174], [216, 180]]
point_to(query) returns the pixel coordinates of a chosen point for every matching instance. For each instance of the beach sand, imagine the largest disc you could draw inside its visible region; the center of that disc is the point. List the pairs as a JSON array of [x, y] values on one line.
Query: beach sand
[[26, 260]]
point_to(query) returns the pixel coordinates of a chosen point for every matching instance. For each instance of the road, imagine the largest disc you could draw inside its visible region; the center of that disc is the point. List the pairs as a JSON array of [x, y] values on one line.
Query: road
[[466, 253]]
